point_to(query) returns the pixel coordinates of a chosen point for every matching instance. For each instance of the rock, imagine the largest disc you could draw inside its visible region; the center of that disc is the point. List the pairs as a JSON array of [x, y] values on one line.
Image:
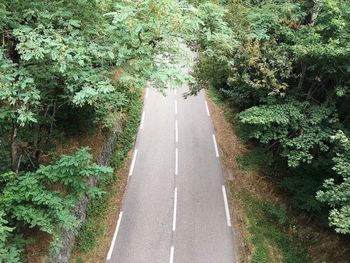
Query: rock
[[68, 238]]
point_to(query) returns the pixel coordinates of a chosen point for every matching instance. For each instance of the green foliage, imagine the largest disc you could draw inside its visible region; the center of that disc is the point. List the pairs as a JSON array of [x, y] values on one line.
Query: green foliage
[[9, 249], [255, 159], [303, 182], [278, 213], [143, 32], [29, 199], [337, 190], [300, 130], [5, 159], [215, 40]]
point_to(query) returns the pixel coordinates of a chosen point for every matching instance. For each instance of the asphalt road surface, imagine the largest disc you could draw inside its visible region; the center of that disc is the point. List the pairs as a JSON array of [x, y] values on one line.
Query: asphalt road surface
[[175, 207]]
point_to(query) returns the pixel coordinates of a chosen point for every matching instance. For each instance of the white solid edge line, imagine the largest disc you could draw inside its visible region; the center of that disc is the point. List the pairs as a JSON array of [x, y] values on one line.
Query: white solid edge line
[[142, 120], [175, 107], [216, 146], [176, 160], [175, 209], [133, 162], [228, 218], [147, 90], [206, 106], [171, 254], [176, 132], [114, 237]]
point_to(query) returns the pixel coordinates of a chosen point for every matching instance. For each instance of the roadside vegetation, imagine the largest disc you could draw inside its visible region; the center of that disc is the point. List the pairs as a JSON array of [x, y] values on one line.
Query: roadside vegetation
[[281, 68]]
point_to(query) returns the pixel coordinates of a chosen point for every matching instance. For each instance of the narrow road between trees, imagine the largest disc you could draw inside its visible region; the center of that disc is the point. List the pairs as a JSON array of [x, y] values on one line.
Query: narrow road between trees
[[175, 207]]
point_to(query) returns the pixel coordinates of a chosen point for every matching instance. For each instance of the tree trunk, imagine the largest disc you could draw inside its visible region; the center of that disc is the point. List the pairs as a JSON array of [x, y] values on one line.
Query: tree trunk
[[315, 12], [14, 149], [302, 75]]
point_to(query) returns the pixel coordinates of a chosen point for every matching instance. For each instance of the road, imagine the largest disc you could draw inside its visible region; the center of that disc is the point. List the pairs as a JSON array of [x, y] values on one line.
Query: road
[[175, 207]]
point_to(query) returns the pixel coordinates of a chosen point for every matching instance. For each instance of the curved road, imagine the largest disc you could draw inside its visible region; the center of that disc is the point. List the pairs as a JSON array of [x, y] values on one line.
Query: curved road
[[174, 207]]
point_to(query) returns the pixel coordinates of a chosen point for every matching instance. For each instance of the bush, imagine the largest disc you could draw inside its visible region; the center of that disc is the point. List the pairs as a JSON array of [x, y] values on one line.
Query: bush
[[44, 199], [278, 213]]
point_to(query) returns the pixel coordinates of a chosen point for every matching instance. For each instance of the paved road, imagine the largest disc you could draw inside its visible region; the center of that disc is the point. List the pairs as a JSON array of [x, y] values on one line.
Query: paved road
[[174, 207]]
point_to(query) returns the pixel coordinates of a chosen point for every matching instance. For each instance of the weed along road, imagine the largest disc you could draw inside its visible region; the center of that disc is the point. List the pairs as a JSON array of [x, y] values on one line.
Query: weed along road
[[175, 207]]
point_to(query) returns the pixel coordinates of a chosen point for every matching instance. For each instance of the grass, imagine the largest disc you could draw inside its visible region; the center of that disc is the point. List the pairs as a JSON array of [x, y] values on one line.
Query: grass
[[254, 159], [271, 243], [215, 96], [97, 210]]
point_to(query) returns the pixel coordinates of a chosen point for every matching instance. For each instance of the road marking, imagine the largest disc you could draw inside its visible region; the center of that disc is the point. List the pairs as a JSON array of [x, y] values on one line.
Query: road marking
[[175, 91], [176, 161], [216, 146], [142, 120], [176, 132], [228, 218], [147, 90], [206, 106], [114, 237], [175, 209], [175, 107], [171, 254], [133, 162]]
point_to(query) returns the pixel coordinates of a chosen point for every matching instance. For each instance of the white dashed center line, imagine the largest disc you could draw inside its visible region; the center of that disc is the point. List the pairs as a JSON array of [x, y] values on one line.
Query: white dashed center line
[[176, 160], [176, 132], [175, 107], [171, 254], [175, 209]]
